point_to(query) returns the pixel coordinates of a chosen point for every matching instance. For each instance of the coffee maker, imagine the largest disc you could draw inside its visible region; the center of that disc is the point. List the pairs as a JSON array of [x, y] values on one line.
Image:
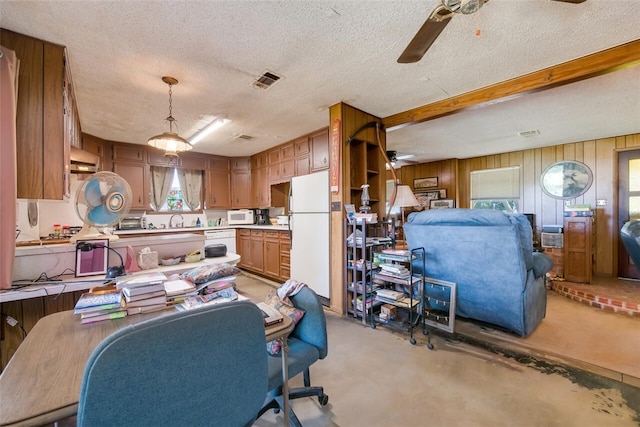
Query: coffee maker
[[262, 216]]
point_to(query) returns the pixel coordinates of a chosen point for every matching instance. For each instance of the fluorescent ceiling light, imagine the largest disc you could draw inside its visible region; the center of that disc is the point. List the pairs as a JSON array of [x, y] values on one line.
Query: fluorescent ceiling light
[[215, 124]]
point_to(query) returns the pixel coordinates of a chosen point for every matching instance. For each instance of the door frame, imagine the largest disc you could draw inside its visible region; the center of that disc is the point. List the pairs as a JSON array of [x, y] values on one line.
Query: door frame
[[622, 212]]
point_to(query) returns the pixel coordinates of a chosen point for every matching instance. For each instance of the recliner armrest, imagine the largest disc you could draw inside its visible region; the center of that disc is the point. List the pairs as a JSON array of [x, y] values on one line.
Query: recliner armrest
[[542, 264]]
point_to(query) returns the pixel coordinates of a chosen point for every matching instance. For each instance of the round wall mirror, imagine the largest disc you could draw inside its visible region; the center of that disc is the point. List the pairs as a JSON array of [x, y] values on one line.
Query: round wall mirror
[[566, 179]]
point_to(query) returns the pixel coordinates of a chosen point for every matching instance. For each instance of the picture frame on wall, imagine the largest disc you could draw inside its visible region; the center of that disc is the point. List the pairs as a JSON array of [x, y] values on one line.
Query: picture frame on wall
[[442, 204], [425, 198], [431, 182], [443, 193]]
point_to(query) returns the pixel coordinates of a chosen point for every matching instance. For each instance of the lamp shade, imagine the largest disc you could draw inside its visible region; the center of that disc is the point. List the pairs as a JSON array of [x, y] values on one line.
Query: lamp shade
[[405, 197], [170, 142]]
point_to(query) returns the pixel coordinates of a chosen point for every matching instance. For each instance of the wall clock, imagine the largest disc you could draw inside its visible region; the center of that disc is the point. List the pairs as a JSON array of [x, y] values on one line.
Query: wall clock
[[566, 179]]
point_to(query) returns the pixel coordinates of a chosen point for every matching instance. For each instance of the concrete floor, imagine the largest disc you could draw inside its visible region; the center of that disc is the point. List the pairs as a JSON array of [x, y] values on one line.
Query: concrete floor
[[376, 378]]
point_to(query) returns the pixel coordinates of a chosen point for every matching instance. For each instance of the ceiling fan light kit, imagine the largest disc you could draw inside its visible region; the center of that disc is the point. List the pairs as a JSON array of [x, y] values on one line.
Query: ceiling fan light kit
[[170, 142]]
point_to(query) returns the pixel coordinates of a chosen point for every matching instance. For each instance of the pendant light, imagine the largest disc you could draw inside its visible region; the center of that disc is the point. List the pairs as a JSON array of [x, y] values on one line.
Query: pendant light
[[170, 142]]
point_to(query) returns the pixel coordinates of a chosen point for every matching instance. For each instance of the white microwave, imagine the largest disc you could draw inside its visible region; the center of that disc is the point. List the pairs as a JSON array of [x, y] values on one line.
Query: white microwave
[[240, 216]]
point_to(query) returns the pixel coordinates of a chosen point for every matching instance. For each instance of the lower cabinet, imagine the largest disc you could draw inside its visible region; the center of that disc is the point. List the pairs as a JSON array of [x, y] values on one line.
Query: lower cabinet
[[265, 252], [578, 249]]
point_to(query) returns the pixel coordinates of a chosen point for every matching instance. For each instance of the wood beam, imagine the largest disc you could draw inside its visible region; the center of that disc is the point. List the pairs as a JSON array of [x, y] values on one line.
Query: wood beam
[[606, 61]]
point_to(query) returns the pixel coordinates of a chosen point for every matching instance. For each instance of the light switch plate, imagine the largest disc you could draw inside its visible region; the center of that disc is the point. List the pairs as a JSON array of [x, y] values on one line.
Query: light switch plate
[[601, 202]]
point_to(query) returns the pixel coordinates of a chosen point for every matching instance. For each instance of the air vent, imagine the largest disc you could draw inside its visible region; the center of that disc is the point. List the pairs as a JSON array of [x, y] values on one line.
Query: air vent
[[244, 137], [266, 80], [527, 133]]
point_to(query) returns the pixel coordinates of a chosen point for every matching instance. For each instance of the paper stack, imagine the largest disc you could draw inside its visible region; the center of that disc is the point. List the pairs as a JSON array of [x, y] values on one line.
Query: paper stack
[[143, 292], [100, 305]]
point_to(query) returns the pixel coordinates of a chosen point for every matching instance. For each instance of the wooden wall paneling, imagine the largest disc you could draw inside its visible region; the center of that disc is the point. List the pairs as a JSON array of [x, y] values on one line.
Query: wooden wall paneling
[[549, 206], [632, 140], [605, 187], [11, 336], [62, 302], [53, 120], [529, 196]]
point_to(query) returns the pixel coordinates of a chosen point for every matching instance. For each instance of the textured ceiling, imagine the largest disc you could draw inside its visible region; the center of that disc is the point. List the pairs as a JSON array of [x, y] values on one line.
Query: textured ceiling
[[332, 51]]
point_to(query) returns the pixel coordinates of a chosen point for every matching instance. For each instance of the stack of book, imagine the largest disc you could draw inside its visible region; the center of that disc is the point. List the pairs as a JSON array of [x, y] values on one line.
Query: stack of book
[[143, 292], [100, 305], [578, 210], [396, 271], [178, 289]]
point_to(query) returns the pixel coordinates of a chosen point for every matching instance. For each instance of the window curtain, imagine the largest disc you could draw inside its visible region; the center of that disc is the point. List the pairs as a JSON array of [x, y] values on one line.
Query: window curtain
[[9, 65], [191, 186], [161, 178]]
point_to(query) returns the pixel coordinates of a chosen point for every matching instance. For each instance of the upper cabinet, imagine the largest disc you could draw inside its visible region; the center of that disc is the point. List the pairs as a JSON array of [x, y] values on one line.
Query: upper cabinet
[[43, 132], [320, 150]]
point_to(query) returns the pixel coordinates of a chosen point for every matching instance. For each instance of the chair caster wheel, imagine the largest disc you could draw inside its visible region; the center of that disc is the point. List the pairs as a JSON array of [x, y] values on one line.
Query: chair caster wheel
[[324, 399], [412, 341], [430, 346], [425, 332], [373, 326]]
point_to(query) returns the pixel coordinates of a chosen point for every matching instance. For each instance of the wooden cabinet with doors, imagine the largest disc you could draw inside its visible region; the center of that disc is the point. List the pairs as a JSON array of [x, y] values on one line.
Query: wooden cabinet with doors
[[257, 251], [240, 182], [285, 255], [42, 149], [100, 148], [131, 153], [137, 175], [218, 183], [272, 253], [578, 249], [319, 142]]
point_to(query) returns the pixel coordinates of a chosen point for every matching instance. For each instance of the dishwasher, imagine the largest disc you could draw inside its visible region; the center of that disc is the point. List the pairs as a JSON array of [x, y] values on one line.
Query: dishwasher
[[226, 237]]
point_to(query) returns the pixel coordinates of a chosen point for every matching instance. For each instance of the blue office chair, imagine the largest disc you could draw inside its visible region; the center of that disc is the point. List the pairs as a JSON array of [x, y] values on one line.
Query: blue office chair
[[207, 366], [307, 344], [630, 234]]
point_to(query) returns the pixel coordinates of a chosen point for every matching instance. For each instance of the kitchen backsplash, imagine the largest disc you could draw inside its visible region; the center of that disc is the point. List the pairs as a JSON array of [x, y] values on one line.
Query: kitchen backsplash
[[52, 212]]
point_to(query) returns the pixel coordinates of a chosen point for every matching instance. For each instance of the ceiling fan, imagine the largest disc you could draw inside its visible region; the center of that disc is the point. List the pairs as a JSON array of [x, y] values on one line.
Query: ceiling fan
[[436, 22]]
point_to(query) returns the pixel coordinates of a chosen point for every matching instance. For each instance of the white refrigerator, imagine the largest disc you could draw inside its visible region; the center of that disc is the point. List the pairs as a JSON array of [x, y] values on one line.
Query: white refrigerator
[[309, 205]]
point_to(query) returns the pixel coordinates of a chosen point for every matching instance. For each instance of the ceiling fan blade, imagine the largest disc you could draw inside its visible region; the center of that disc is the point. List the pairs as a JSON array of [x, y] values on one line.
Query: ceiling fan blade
[[427, 34], [572, 1]]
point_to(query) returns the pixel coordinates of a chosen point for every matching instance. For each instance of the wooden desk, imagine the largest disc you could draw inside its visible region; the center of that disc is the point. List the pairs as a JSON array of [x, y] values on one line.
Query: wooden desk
[[41, 383]]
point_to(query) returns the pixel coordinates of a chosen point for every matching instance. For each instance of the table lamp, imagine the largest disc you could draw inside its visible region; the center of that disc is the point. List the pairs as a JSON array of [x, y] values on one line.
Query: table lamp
[[404, 198]]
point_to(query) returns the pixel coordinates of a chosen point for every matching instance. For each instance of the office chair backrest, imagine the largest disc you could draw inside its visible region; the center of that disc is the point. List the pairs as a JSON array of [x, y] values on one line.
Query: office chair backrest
[[630, 234], [312, 328], [202, 367]]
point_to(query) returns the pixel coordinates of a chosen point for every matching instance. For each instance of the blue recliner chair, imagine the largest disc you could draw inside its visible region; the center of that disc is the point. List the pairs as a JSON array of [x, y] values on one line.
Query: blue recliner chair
[[307, 344], [202, 367], [489, 255], [630, 234]]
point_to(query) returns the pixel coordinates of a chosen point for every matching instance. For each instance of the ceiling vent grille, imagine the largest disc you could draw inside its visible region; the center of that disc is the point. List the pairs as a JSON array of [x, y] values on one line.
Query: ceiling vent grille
[[527, 133], [244, 137], [266, 80]]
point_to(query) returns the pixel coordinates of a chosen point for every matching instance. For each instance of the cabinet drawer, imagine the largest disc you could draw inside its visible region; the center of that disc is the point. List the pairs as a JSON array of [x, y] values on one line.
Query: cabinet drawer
[[257, 233], [244, 232], [271, 235]]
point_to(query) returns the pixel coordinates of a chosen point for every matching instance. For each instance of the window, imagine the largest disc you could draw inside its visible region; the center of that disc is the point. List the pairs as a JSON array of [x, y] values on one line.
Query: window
[[175, 190], [497, 189]]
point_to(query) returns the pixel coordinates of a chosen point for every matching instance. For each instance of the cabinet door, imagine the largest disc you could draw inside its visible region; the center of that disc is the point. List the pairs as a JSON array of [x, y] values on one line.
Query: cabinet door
[[577, 249], [193, 161], [287, 169], [154, 157], [241, 163], [301, 147], [131, 152], [219, 163], [302, 166], [244, 248], [241, 189], [272, 254], [137, 176], [218, 192], [257, 250], [320, 150]]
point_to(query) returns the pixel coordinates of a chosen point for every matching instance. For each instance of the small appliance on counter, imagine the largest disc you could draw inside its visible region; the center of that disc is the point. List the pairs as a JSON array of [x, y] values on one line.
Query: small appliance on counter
[[262, 216], [132, 223], [240, 216]]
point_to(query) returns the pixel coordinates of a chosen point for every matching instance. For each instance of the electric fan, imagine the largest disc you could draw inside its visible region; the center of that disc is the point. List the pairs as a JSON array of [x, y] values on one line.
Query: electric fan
[[100, 202]]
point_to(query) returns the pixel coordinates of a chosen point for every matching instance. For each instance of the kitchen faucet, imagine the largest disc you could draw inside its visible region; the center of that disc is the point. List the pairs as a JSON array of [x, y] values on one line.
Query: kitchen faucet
[[180, 224]]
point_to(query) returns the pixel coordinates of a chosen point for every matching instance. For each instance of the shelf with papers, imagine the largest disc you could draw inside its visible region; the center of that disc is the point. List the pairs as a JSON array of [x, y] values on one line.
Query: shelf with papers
[[399, 288], [363, 241]]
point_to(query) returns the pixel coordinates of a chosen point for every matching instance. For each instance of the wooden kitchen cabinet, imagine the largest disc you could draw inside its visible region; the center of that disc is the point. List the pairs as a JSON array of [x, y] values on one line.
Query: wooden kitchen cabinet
[[260, 188], [257, 251], [578, 249], [240, 189], [218, 193], [243, 246], [42, 149], [100, 148], [320, 150], [272, 253], [137, 175], [131, 153], [285, 255]]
